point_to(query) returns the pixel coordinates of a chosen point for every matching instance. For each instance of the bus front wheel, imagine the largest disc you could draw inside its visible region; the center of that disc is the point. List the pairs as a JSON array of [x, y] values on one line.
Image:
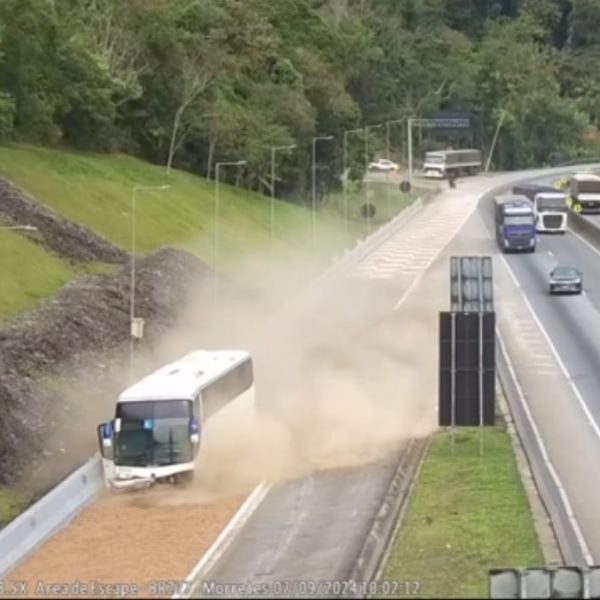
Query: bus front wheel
[[184, 479]]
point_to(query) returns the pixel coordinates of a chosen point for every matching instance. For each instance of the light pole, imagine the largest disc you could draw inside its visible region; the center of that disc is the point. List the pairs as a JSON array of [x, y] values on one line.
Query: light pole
[[136, 189], [500, 121], [236, 163], [275, 149], [409, 144], [367, 128], [19, 228], [314, 182], [344, 168], [387, 134]]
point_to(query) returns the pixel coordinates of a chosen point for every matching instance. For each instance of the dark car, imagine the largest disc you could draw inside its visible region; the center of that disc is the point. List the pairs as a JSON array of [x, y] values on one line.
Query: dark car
[[566, 279]]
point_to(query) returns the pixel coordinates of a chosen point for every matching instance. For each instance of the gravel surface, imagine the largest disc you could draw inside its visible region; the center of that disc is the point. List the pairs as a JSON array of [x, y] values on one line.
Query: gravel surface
[[54, 232]]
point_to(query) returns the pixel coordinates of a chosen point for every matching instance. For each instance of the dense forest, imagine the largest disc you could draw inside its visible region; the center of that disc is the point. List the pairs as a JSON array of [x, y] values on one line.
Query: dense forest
[[192, 82]]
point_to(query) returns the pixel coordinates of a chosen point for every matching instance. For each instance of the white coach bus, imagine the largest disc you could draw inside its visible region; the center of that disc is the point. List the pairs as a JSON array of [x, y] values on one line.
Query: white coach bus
[[438, 164], [157, 430]]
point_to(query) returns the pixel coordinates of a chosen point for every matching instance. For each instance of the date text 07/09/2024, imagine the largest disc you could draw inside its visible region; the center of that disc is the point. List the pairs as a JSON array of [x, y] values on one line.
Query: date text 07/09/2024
[[281, 588]]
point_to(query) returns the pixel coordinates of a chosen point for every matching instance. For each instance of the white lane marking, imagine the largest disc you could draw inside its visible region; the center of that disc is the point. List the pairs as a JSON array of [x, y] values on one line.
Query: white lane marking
[[431, 260], [564, 369], [226, 537], [583, 240], [559, 360], [557, 482]]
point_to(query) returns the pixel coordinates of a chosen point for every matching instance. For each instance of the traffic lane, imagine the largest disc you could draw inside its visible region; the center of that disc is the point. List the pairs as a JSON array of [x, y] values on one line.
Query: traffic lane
[[571, 321], [306, 531], [569, 249], [570, 441]]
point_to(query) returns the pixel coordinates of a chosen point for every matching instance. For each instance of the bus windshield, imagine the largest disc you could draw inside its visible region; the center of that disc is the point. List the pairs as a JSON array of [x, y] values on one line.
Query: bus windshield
[[154, 433], [434, 159], [518, 220]]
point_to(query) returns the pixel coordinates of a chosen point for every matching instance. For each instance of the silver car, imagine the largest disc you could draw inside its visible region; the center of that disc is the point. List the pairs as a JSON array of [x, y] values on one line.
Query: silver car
[[566, 279]]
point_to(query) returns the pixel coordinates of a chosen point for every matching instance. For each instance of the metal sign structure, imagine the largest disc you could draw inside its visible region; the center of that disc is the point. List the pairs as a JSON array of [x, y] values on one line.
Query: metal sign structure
[[444, 123], [467, 378], [449, 121], [558, 582]]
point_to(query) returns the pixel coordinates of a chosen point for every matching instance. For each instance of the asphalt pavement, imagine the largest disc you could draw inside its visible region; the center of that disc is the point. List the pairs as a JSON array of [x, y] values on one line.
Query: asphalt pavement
[[375, 336], [564, 398]]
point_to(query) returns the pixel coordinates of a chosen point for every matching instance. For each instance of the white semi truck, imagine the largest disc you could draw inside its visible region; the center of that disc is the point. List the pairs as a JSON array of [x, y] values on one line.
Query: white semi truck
[[441, 163], [156, 433], [549, 206], [584, 193]]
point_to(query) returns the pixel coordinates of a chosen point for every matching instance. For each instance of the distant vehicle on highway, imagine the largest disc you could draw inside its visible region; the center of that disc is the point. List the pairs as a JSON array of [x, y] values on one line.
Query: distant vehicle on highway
[[549, 206], [460, 162], [157, 430], [514, 222], [584, 193], [565, 279], [383, 165]]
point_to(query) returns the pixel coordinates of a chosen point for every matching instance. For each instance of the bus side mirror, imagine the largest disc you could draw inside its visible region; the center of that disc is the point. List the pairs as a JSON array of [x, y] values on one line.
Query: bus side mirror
[[105, 438], [194, 431]]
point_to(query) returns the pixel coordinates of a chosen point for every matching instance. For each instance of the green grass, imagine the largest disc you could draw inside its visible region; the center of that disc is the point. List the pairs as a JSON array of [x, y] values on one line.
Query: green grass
[[468, 513], [28, 273], [11, 504], [95, 191]]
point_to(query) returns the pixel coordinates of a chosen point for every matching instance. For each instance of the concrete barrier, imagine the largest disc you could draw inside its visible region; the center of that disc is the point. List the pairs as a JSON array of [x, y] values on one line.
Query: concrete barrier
[[588, 227], [369, 560]]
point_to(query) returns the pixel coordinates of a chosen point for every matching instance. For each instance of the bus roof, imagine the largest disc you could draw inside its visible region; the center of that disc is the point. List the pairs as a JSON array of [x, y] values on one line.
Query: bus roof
[[182, 379]]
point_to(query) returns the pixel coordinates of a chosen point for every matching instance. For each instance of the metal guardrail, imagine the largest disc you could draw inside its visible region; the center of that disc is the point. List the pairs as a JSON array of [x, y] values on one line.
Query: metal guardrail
[[44, 518]]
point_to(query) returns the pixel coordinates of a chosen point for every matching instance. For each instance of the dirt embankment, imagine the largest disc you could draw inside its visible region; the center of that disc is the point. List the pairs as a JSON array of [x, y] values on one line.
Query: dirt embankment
[[63, 237], [63, 363]]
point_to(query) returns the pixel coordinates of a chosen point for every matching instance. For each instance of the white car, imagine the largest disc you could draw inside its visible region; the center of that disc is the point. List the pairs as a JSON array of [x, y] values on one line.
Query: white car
[[383, 164]]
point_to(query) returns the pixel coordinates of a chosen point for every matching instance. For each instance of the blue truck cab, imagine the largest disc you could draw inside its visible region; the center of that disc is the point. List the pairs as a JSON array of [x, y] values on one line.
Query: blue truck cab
[[515, 224]]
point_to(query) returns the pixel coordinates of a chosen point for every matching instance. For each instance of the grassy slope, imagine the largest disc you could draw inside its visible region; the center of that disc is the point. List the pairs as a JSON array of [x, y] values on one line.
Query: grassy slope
[[11, 505], [95, 191], [467, 514]]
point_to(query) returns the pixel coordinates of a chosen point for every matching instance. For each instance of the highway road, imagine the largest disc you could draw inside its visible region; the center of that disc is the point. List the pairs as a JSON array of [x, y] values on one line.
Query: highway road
[[355, 374], [555, 345], [383, 317]]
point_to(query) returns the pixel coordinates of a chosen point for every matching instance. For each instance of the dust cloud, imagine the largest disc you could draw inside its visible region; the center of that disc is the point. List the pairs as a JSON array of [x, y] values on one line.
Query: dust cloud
[[336, 387]]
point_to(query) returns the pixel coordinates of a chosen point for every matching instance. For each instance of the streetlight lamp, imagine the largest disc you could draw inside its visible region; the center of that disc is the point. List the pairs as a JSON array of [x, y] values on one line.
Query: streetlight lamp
[[275, 149], [314, 182], [133, 331], [344, 168], [19, 228], [237, 163], [367, 128]]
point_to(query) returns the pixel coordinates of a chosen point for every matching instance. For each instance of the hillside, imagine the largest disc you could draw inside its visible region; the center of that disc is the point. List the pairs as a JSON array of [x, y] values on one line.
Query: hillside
[[95, 191]]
